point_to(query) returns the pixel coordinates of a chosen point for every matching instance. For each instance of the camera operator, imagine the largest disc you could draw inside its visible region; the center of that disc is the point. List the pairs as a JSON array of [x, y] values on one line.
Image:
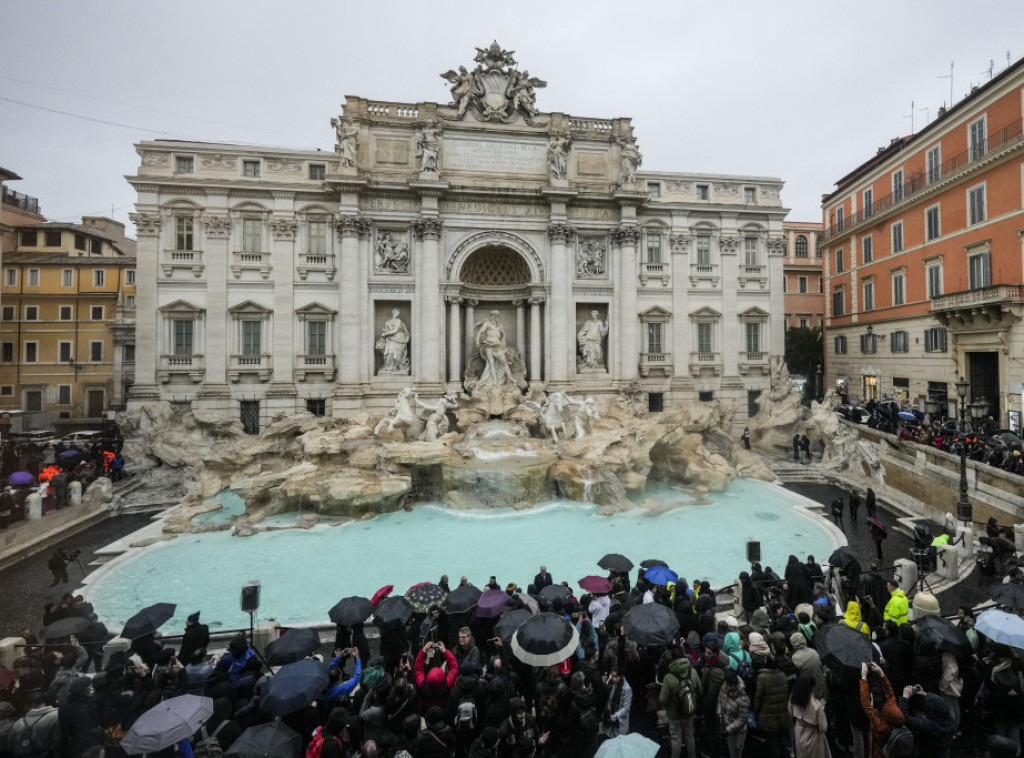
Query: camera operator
[[58, 564]]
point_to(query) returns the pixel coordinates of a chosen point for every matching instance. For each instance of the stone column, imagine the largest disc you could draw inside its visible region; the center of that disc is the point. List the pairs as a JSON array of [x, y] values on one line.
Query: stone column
[[429, 324], [728, 344], [455, 338], [282, 346], [535, 346], [680, 246], [469, 339], [560, 310], [350, 228], [520, 327], [147, 318], [775, 339], [626, 237]]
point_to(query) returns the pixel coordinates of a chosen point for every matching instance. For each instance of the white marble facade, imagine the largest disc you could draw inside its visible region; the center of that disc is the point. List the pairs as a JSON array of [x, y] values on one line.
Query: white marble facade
[[266, 276]]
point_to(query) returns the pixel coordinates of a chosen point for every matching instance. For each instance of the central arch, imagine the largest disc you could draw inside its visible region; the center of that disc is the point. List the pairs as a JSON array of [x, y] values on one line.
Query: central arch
[[494, 240]]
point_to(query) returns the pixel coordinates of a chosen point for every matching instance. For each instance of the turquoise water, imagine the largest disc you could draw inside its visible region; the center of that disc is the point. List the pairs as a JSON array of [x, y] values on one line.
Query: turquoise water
[[305, 572], [230, 505]]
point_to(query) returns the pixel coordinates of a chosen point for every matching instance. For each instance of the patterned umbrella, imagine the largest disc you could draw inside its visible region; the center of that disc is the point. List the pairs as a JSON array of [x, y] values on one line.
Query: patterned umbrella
[[424, 595]]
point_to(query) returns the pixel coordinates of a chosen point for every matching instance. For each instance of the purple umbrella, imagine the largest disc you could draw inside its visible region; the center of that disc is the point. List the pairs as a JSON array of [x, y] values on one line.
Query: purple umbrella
[[21, 477], [491, 604]]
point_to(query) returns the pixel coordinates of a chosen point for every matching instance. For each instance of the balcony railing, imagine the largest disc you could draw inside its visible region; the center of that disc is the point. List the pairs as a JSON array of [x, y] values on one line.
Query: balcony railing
[[756, 362], [314, 364], [999, 293], [705, 362], [170, 364], [659, 362], [650, 271], [920, 182], [249, 261], [753, 274], [18, 200], [260, 364], [191, 260], [316, 262]]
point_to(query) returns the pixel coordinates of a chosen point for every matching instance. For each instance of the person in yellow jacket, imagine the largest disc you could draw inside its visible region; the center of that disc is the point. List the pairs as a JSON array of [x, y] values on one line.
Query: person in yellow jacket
[[897, 607], [853, 620]]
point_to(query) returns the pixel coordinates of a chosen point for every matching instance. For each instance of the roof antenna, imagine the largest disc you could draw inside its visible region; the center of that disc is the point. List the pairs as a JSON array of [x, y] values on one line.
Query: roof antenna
[[911, 117], [950, 77], [927, 114], [991, 67]]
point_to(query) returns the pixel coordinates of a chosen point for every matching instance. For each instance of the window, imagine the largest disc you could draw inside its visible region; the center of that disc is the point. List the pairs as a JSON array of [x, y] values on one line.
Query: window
[[840, 345], [11, 277], [128, 353], [655, 337], [656, 402], [934, 161], [654, 188], [129, 276], [978, 141], [899, 295], [80, 242], [897, 186], [705, 396], [31, 312], [803, 323], [96, 312], [129, 301], [703, 192], [869, 296], [935, 340], [316, 338], [801, 246], [96, 351], [33, 400], [934, 274], [931, 223], [976, 204], [869, 202], [7, 390], [837, 303], [7, 352], [654, 248], [67, 278], [979, 270], [840, 218], [64, 313], [785, 284], [753, 336], [705, 343], [317, 406], [317, 171], [64, 352], [251, 333], [867, 249], [183, 234], [95, 246], [250, 168], [750, 195], [8, 313], [840, 261], [252, 235], [33, 277], [750, 251], [317, 237], [897, 237], [99, 277], [29, 237], [184, 164], [899, 342], [182, 331], [64, 394], [703, 249], [53, 238], [868, 343], [821, 284], [31, 352], [802, 285]]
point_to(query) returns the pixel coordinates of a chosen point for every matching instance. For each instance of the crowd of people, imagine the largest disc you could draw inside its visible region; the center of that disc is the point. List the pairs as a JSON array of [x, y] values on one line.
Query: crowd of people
[[754, 682]]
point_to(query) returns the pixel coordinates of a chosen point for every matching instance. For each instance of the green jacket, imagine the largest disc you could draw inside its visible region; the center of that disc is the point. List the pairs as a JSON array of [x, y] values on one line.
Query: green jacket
[[771, 701], [678, 670], [897, 607]]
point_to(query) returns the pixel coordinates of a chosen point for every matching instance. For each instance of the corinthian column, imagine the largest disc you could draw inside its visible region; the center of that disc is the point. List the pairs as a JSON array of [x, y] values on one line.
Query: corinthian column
[[625, 237], [349, 229], [430, 316], [454, 340], [535, 347], [561, 318]]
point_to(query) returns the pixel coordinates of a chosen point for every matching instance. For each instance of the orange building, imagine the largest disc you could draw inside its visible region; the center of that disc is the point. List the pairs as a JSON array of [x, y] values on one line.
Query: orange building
[[922, 253], [802, 275]]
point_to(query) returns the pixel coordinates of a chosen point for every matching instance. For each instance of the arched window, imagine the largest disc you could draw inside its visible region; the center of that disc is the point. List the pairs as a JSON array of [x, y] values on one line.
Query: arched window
[[801, 246]]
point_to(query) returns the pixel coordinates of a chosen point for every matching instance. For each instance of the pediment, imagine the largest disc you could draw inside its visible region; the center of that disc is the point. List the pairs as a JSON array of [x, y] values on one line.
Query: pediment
[[655, 313], [754, 312], [181, 307], [249, 308], [315, 309], [705, 311]]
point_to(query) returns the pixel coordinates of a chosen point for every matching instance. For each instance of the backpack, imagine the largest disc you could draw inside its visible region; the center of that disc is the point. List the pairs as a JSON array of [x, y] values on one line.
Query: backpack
[[316, 745], [28, 743], [745, 671], [900, 743], [686, 698], [465, 716], [209, 746], [1008, 691]]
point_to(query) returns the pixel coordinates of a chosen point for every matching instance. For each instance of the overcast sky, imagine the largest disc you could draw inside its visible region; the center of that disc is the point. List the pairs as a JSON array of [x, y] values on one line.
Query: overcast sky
[[804, 91]]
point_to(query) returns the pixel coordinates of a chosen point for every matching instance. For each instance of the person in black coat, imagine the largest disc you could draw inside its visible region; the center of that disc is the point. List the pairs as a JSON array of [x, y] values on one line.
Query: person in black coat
[[542, 580], [196, 636], [437, 740], [78, 717], [869, 502]]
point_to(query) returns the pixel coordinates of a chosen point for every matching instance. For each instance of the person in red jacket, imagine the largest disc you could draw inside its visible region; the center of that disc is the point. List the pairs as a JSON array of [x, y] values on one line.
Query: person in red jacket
[[434, 686]]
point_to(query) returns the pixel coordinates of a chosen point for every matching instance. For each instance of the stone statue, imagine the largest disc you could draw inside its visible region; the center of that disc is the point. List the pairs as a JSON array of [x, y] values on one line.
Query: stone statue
[[347, 135], [465, 85], [490, 342], [631, 160], [436, 417], [558, 156], [428, 147], [403, 417], [590, 260], [393, 344], [496, 374], [590, 340], [561, 413], [392, 256], [495, 90], [521, 92]]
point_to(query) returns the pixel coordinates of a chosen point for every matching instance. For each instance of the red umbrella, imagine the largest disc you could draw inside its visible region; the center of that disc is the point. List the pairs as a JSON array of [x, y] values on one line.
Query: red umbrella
[[380, 594], [595, 584], [878, 525]]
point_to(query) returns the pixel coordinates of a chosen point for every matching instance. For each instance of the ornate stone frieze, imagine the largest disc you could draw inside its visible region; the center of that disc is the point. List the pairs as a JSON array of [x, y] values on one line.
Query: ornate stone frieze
[[680, 243], [283, 229], [217, 226], [590, 290], [155, 159], [146, 224], [726, 190], [561, 233], [776, 245], [495, 90], [729, 243], [283, 166], [352, 226], [391, 287], [428, 228], [390, 204], [770, 193], [592, 258], [626, 235], [684, 188], [219, 162]]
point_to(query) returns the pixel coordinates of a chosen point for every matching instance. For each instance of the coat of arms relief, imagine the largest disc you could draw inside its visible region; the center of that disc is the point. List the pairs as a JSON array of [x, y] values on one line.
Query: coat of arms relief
[[495, 90]]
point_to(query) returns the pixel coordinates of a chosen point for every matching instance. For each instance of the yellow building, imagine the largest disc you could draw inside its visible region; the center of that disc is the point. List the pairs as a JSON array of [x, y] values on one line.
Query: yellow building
[[67, 319]]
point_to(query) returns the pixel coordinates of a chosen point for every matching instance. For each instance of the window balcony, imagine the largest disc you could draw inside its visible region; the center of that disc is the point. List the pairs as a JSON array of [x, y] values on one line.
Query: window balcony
[[319, 262], [658, 271], [755, 275], [704, 272], [246, 261], [753, 363], [191, 365], [705, 363], [188, 260], [655, 362], [997, 306], [260, 364], [314, 364]]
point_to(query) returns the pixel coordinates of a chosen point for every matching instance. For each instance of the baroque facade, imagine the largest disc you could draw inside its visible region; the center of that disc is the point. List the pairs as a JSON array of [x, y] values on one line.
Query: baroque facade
[[436, 237]]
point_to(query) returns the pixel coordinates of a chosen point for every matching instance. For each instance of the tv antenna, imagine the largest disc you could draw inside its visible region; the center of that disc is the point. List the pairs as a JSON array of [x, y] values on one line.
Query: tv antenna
[[927, 114], [950, 77], [911, 117], [990, 69]]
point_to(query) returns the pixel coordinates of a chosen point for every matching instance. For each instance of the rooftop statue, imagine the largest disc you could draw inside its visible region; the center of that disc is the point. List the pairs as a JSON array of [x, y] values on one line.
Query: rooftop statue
[[495, 90]]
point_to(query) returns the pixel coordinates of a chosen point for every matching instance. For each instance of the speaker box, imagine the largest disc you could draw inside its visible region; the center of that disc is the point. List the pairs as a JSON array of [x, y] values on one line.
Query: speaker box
[[753, 551], [250, 600]]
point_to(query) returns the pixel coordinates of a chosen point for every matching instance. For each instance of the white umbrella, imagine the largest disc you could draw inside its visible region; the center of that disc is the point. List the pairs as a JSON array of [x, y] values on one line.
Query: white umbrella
[[544, 640], [1000, 626], [628, 746]]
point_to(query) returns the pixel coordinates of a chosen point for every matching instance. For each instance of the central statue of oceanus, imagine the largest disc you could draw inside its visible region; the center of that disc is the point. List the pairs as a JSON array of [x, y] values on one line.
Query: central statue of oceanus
[[496, 374]]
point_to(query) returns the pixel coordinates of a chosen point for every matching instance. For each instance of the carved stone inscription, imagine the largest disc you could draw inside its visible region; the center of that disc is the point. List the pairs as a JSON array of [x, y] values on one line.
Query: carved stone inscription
[[497, 157]]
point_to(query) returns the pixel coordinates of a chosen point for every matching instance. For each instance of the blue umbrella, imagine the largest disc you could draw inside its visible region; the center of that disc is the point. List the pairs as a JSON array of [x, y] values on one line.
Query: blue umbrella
[[661, 575], [70, 454], [1000, 626], [906, 415], [21, 478]]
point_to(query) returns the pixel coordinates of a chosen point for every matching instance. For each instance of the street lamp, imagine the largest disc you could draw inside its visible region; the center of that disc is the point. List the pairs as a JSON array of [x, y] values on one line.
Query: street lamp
[[979, 409], [932, 407], [818, 388]]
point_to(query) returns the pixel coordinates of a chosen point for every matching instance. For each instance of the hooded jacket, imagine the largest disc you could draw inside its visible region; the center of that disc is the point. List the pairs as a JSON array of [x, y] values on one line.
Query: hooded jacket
[[853, 619], [897, 607], [434, 685], [733, 707], [882, 719], [806, 659], [732, 649], [931, 720], [678, 670]]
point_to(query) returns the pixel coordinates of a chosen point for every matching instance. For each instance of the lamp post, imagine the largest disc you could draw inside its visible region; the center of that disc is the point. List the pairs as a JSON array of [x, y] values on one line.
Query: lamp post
[[932, 408], [979, 409], [818, 388]]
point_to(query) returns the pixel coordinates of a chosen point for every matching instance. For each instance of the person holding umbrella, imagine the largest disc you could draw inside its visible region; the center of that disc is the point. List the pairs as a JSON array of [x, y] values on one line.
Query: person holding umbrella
[[878, 534]]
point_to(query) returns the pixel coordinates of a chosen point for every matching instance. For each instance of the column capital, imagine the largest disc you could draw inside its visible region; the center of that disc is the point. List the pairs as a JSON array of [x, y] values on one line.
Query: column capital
[[537, 300], [453, 299], [776, 245], [561, 232], [283, 228], [146, 224], [352, 226], [728, 243], [680, 243], [427, 228], [628, 234]]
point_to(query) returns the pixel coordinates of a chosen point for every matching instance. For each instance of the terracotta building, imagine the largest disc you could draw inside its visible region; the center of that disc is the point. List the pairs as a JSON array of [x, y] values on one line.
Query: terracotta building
[[802, 275]]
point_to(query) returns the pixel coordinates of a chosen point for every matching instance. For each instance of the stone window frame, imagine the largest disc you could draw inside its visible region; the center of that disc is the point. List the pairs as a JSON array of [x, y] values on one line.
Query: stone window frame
[[898, 274], [800, 246], [182, 310], [706, 315], [868, 285], [315, 311], [933, 263], [754, 315], [184, 164], [250, 310]]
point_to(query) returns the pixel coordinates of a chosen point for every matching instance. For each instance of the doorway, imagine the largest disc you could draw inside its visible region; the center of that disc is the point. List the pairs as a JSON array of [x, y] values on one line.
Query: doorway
[[983, 374], [94, 403], [870, 389]]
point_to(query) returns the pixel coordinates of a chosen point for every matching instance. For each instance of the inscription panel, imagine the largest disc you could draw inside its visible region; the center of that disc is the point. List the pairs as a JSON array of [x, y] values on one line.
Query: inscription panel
[[495, 157], [393, 151], [590, 163], [493, 208]]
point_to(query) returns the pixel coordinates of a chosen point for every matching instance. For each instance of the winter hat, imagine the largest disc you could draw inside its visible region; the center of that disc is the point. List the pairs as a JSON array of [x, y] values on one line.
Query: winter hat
[[193, 618], [435, 680], [374, 676], [925, 604], [757, 644], [732, 622], [693, 639], [731, 677]]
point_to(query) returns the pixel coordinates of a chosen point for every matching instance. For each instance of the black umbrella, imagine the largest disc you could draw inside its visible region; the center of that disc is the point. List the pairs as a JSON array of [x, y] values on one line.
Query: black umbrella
[[273, 740], [148, 620], [462, 599], [293, 645], [553, 591], [943, 635], [166, 723], [424, 595], [350, 611], [66, 626], [544, 640], [509, 622], [843, 556], [615, 562], [842, 646], [1009, 595], [652, 562], [295, 686], [393, 612], [651, 624]]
